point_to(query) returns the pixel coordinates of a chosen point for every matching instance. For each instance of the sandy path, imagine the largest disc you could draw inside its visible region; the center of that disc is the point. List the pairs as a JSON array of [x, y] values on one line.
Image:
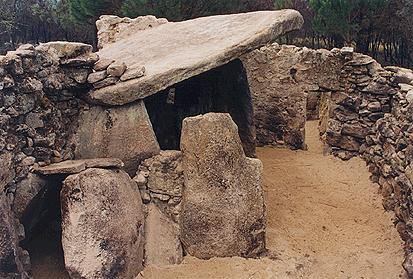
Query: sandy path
[[325, 220]]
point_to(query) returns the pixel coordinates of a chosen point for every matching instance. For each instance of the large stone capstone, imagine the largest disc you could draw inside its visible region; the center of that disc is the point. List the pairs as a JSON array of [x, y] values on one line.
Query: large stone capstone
[[175, 51], [102, 225], [223, 211]]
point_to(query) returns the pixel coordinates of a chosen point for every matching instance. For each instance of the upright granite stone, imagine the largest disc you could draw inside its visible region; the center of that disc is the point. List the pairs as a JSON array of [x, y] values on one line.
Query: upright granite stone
[[119, 132], [175, 51], [223, 211], [162, 244], [102, 225]]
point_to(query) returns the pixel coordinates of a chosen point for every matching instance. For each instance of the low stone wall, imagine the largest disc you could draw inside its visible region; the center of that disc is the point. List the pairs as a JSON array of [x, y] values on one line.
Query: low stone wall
[[389, 153], [364, 110], [372, 116], [365, 96]]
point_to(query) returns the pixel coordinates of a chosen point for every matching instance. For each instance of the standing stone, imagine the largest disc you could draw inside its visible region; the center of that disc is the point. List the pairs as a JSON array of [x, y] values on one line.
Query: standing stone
[[223, 211], [162, 244], [102, 225], [119, 132]]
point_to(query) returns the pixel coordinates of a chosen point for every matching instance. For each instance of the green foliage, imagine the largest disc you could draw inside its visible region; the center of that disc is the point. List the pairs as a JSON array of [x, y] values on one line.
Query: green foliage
[[186, 9], [170, 9], [87, 11], [284, 4], [344, 18]]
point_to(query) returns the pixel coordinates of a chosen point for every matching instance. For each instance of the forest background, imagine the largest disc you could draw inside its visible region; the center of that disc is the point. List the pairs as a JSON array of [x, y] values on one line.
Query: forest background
[[382, 29]]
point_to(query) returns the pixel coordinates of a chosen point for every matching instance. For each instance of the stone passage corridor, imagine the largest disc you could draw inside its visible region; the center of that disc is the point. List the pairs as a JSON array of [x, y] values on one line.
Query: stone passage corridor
[[325, 220]]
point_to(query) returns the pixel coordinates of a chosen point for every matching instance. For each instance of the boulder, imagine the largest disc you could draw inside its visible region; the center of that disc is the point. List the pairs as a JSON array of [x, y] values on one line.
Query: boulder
[[119, 132], [162, 244], [175, 51], [102, 225], [27, 192], [223, 211]]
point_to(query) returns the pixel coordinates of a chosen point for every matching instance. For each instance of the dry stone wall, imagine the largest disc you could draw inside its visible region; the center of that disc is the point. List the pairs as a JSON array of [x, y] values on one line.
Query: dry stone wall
[[388, 150], [372, 116], [40, 98], [364, 110]]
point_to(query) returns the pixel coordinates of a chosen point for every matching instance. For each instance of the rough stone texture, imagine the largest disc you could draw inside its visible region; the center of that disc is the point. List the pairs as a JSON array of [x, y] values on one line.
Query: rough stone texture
[[14, 261], [162, 244], [389, 154], [160, 181], [120, 132], [76, 166], [70, 54], [112, 28], [199, 45], [364, 98], [102, 225], [223, 212], [26, 193], [286, 84], [39, 105]]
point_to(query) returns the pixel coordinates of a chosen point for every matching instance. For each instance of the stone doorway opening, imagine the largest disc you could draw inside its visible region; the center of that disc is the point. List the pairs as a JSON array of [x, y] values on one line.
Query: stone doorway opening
[[42, 224], [223, 89]]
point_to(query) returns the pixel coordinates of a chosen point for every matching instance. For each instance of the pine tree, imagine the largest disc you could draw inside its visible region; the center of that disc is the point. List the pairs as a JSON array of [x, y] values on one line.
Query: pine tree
[[345, 20]]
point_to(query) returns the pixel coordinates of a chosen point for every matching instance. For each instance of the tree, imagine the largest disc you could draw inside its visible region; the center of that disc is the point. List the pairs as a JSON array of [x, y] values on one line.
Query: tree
[[177, 10], [87, 11], [346, 20]]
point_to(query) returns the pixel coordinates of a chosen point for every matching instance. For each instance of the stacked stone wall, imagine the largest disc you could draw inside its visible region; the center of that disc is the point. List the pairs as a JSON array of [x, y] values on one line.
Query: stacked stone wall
[[372, 117], [364, 110], [40, 99]]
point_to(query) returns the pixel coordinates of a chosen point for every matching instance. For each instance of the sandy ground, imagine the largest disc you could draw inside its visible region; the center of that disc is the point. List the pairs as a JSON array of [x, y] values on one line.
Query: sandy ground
[[325, 220]]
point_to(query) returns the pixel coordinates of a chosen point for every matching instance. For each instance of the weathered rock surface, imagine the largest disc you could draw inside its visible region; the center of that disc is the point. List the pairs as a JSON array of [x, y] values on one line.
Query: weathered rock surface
[[76, 166], [287, 84], [13, 260], [223, 211], [121, 132], [102, 225], [160, 181], [162, 244], [27, 191], [112, 28], [69, 53], [198, 46]]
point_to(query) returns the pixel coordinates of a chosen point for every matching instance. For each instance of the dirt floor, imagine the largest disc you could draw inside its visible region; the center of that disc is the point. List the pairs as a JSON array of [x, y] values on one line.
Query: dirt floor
[[325, 220]]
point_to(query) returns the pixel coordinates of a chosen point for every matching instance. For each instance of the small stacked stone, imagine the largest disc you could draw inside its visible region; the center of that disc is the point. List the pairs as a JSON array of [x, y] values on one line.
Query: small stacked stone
[[108, 72], [364, 98], [160, 181], [389, 153]]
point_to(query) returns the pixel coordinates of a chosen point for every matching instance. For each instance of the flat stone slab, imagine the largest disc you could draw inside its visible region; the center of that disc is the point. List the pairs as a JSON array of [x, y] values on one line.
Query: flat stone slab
[[176, 51], [76, 166]]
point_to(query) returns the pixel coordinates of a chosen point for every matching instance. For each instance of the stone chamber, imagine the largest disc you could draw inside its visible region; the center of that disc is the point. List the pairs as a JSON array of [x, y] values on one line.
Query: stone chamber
[[105, 155]]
